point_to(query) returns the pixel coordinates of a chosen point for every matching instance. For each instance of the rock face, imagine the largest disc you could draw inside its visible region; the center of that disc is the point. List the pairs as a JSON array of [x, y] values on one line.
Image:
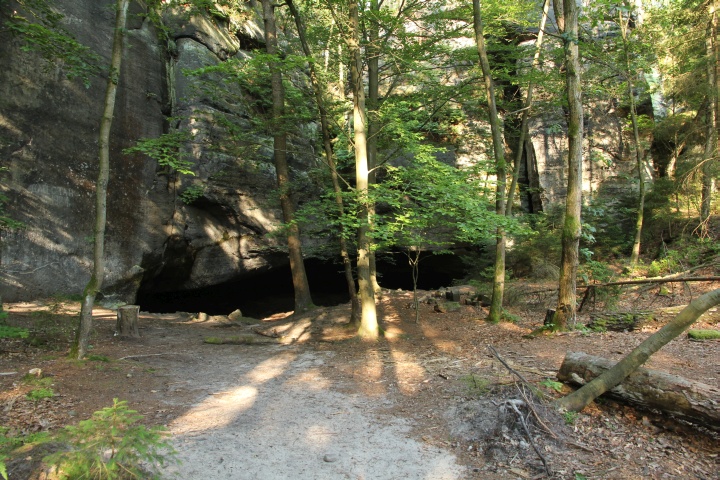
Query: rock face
[[166, 232], [48, 143]]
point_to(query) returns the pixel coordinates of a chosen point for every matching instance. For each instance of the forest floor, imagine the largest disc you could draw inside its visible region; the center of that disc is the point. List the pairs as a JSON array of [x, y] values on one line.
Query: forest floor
[[424, 402]]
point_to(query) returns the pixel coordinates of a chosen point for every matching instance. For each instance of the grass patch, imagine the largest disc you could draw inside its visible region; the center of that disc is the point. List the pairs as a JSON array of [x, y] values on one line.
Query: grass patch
[[570, 417], [552, 385], [477, 386], [40, 394], [30, 379], [97, 358], [7, 331]]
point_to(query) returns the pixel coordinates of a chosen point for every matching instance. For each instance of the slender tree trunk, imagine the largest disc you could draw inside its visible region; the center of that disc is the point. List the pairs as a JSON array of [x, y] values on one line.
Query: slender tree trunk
[[496, 309], [579, 399], [373, 61], [711, 141], [527, 105], [565, 311], [303, 301], [635, 255], [318, 89], [368, 320], [82, 339]]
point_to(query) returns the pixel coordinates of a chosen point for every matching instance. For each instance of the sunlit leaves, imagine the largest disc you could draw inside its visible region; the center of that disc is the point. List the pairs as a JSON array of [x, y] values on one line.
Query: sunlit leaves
[[168, 150], [39, 29]]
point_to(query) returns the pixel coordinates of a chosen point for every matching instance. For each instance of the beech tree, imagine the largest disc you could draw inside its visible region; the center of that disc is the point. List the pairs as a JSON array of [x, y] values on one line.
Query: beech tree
[[368, 320]]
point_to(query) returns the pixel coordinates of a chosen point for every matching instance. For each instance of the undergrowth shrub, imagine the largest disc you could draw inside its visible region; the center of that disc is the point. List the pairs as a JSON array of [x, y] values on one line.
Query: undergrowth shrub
[[111, 445], [6, 331]]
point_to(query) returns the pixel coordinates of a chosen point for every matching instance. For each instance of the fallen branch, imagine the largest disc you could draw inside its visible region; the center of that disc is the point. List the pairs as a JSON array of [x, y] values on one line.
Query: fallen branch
[[149, 355], [579, 399], [497, 355], [668, 279], [650, 389], [653, 280], [513, 405]]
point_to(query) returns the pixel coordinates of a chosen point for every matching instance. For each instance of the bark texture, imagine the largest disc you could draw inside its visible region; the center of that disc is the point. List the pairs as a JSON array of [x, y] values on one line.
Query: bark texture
[[496, 304], [579, 399], [368, 319], [79, 350], [565, 311], [303, 301], [650, 389], [318, 90], [127, 321]]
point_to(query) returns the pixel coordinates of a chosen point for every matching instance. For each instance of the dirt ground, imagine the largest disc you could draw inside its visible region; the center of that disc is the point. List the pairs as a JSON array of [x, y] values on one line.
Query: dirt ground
[[426, 401]]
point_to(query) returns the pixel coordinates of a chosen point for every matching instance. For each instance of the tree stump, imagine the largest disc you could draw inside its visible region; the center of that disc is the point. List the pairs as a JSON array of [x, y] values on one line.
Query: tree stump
[[127, 321]]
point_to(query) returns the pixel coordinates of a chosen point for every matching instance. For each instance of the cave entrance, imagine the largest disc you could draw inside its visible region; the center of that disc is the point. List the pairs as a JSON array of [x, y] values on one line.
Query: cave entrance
[[272, 292]]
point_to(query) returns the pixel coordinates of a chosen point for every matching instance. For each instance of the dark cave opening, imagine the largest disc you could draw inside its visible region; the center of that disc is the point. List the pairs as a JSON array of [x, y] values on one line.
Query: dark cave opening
[[271, 292]]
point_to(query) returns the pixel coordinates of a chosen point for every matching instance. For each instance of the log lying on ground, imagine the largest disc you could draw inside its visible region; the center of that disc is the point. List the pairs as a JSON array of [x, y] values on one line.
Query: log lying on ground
[[650, 389], [619, 321]]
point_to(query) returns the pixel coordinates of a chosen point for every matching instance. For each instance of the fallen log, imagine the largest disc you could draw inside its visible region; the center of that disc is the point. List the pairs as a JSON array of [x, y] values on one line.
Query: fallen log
[[648, 389]]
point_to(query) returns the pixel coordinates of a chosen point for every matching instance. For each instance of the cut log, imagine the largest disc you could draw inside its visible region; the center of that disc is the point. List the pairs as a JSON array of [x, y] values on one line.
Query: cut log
[[127, 321], [650, 389]]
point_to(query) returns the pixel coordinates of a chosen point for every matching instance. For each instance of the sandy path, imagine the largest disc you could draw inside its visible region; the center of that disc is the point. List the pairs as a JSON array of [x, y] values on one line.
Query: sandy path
[[268, 413]]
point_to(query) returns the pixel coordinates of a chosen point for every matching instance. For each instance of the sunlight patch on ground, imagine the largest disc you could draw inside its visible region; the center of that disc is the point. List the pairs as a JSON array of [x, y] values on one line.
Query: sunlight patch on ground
[[393, 333], [319, 436], [311, 379], [408, 372], [270, 368], [222, 408], [217, 411]]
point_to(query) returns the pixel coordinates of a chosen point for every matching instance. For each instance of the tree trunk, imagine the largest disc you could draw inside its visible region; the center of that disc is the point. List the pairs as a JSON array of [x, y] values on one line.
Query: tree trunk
[[330, 158], [565, 311], [373, 61], [712, 125], [496, 309], [649, 389], [303, 301], [82, 338], [368, 320], [579, 399], [635, 255], [127, 321]]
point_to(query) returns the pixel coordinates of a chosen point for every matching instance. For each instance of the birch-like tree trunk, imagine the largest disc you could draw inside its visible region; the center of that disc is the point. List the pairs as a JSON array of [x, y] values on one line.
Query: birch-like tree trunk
[[368, 319], [496, 309], [303, 301], [82, 338]]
